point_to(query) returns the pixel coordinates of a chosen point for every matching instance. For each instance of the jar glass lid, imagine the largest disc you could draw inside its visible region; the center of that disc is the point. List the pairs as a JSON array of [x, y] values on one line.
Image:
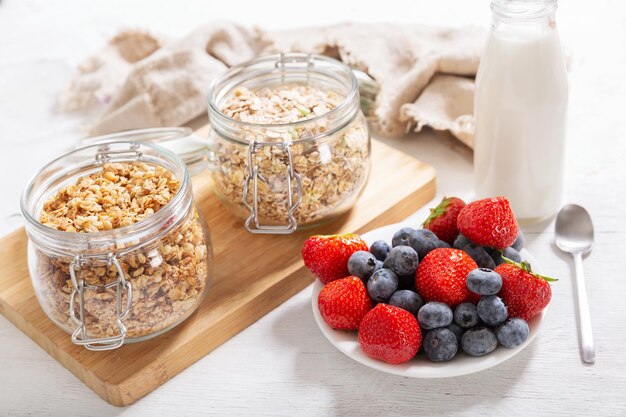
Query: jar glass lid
[[191, 148]]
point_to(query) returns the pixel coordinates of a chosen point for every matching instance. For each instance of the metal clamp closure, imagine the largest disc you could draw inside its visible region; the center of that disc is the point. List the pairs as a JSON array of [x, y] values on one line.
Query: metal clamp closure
[[291, 61], [253, 224], [105, 153], [80, 336]]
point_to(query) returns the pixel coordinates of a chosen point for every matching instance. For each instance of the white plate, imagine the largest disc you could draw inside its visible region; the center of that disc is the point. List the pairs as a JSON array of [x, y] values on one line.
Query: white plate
[[420, 367]]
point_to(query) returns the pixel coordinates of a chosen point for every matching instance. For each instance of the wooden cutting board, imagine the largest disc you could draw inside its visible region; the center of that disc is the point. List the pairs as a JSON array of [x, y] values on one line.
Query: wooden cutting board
[[253, 275]]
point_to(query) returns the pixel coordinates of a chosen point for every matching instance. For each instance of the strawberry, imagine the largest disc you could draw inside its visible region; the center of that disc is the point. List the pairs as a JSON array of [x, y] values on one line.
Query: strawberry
[[343, 303], [442, 219], [525, 293], [390, 334], [441, 276], [489, 222], [327, 256]]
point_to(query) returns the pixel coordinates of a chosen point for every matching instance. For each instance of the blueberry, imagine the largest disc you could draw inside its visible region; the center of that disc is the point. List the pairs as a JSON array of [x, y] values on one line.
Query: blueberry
[[380, 249], [466, 315], [478, 341], [519, 242], [484, 281], [457, 330], [460, 241], [512, 332], [479, 255], [442, 244], [362, 264], [401, 237], [423, 241], [434, 314], [382, 284], [402, 260], [440, 345], [488, 249], [509, 252], [408, 300], [379, 265], [492, 310]]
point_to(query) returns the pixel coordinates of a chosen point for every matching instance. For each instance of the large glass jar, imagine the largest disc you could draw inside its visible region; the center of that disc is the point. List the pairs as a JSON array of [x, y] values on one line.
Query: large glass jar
[[303, 167], [135, 269]]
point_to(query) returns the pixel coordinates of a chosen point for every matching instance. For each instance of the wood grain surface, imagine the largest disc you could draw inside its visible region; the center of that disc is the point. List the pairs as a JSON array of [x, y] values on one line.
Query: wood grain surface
[[252, 275]]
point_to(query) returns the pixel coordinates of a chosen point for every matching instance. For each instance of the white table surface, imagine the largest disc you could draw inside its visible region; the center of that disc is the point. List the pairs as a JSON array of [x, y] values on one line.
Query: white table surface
[[282, 365]]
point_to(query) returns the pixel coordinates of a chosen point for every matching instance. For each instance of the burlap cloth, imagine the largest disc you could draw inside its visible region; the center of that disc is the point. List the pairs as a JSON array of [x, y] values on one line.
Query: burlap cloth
[[424, 74]]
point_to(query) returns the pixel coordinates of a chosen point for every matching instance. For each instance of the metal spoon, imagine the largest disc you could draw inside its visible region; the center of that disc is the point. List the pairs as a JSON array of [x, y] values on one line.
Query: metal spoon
[[574, 234]]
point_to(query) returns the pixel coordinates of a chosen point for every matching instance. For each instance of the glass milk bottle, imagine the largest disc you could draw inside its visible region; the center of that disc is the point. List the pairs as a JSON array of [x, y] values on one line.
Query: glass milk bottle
[[520, 109]]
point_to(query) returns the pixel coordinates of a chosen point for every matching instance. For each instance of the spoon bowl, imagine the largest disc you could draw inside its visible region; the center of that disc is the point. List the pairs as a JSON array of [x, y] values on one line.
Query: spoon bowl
[[574, 229]]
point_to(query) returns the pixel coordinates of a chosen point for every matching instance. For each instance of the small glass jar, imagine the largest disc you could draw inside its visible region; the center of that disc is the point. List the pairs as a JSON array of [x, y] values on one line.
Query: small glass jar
[[126, 284], [282, 176]]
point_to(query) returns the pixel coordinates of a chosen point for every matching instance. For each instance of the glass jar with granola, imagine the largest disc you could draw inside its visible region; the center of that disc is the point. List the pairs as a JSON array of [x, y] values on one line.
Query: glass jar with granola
[[117, 251], [289, 142]]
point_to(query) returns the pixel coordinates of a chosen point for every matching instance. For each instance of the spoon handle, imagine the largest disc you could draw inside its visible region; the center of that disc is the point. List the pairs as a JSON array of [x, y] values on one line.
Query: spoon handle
[[586, 336]]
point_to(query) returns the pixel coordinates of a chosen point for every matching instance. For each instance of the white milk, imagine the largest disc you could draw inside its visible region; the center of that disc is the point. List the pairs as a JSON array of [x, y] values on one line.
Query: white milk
[[520, 110]]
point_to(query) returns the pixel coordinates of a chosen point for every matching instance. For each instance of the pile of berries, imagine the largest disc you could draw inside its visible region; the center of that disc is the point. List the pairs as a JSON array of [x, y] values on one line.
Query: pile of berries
[[457, 284]]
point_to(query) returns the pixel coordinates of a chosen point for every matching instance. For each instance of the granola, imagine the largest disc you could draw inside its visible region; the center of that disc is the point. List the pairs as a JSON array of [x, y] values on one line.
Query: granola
[[168, 277], [333, 167], [119, 195]]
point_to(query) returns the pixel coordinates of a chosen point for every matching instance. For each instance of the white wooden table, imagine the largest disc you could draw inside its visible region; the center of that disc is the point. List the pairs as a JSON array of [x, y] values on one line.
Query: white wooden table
[[282, 365]]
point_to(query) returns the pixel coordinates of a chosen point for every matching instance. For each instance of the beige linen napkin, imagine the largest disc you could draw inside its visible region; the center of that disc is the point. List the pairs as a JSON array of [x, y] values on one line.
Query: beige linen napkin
[[425, 74]]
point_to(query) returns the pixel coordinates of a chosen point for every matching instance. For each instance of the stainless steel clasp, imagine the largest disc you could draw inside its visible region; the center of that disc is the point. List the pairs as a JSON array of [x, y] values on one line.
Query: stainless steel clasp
[[253, 224], [108, 151], [80, 335], [294, 60]]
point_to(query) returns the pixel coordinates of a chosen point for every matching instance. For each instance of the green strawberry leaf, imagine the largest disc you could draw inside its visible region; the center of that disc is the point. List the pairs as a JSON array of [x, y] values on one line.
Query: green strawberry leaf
[[437, 211], [525, 265]]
